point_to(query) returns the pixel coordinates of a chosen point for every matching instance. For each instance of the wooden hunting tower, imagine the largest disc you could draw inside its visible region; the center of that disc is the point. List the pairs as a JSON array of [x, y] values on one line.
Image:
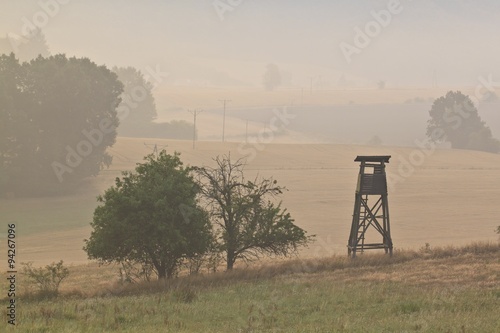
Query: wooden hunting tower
[[372, 184]]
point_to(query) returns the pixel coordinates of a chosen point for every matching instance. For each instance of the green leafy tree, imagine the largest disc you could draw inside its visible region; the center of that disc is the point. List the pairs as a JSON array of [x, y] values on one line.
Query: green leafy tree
[[151, 217], [250, 224], [455, 119], [61, 117]]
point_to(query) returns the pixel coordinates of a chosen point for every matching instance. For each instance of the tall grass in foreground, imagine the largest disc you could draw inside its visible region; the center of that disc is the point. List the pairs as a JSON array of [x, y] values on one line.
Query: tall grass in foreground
[[336, 264], [431, 290]]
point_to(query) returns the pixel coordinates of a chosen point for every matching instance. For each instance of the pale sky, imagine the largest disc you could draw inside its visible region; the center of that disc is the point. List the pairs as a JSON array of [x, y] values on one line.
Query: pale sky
[[457, 39]]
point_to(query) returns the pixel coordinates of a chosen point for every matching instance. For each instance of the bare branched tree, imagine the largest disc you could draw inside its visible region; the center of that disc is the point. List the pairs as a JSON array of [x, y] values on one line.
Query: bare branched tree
[[250, 224]]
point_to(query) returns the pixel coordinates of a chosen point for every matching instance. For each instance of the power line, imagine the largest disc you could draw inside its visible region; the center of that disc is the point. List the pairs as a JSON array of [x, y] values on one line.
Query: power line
[[155, 147], [224, 117], [194, 113]]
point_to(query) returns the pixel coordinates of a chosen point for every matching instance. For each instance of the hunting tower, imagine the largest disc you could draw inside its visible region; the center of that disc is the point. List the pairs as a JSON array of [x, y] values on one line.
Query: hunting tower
[[371, 208]]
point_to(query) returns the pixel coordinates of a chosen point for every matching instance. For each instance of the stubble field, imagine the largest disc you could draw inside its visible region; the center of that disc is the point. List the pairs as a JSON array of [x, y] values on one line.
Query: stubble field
[[450, 197]]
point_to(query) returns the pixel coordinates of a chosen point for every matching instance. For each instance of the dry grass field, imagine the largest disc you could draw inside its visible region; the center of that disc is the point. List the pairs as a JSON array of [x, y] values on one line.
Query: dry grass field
[[437, 199], [450, 198], [449, 289]]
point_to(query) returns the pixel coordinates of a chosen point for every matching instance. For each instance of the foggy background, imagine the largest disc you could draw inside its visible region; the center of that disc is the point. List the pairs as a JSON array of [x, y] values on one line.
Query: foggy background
[[381, 97], [440, 45], [187, 38]]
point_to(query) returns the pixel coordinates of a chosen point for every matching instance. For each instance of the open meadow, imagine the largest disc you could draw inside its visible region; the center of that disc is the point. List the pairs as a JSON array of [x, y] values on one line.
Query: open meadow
[[437, 198], [449, 198], [295, 96], [451, 289]]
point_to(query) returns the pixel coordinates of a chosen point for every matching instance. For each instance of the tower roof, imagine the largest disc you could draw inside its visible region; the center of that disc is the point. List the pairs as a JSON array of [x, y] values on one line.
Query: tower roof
[[377, 158]]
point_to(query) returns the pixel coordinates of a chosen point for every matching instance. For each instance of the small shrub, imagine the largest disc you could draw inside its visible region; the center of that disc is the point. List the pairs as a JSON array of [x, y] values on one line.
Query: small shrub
[[375, 141], [426, 248], [47, 279]]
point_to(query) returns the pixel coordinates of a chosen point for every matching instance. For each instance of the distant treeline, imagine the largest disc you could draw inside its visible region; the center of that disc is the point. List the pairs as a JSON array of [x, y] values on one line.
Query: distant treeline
[[59, 115], [176, 129]]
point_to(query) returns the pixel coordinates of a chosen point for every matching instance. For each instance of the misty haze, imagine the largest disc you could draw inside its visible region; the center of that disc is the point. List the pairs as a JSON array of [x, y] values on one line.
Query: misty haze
[[210, 156]]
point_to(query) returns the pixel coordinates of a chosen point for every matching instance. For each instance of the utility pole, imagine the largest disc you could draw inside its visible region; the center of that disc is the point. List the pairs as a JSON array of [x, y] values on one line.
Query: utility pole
[[194, 113], [246, 133], [224, 117]]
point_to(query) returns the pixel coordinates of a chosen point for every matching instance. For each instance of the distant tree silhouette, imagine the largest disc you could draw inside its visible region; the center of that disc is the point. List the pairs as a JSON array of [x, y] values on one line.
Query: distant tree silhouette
[[137, 111], [137, 98], [26, 47], [455, 119], [58, 117], [14, 130], [272, 77], [32, 46], [375, 141]]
